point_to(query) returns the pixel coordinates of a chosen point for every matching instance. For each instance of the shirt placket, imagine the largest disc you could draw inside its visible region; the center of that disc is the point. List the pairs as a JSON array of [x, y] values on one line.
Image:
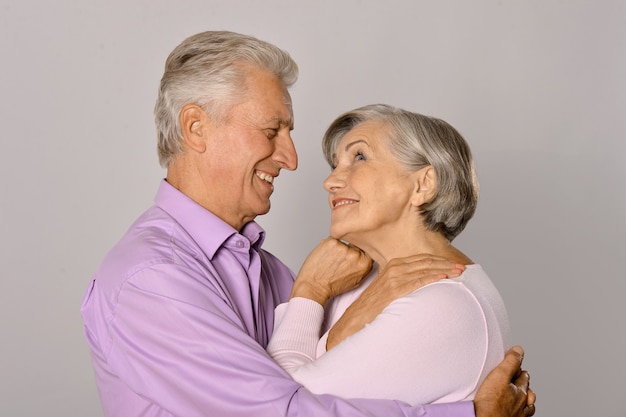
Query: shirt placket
[[251, 263], [257, 289]]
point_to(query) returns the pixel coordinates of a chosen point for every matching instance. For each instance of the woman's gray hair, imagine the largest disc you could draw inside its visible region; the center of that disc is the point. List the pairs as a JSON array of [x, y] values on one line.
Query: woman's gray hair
[[209, 69], [417, 141]]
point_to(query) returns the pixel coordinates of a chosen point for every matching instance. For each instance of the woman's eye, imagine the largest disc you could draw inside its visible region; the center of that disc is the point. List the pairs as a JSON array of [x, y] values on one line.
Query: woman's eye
[[359, 156]]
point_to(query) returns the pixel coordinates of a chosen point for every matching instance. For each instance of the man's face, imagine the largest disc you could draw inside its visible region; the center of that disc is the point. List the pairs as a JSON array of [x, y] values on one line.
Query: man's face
[[247, 150]]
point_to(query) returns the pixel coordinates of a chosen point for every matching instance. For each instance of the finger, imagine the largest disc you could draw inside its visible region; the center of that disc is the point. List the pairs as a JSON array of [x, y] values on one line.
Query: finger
[[531, 398], [430, 265], [422, 257], [523, 381], [512, 363], [432, 272], [426, 265]]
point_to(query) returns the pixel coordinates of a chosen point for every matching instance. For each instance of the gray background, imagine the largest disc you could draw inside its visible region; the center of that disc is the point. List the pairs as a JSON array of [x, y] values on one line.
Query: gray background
[[537, 87]]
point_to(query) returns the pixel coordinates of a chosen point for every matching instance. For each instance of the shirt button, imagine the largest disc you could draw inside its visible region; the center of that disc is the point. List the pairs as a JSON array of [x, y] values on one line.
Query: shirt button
[[239, 244]]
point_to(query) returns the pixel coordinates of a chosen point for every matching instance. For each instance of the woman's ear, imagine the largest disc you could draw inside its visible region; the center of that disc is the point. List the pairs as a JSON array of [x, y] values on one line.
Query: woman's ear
[[193, 121], [425, 186]]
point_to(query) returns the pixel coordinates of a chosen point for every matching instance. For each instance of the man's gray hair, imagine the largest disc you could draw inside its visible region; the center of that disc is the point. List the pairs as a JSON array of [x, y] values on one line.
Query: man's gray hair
[[209, 69]]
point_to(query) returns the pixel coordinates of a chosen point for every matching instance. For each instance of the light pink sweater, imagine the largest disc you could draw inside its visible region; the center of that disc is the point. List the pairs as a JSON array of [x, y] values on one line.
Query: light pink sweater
[[434, 345]]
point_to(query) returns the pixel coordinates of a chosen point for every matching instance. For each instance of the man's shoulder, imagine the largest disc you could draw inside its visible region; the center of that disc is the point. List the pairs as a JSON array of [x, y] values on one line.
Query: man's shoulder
[[147, 242]]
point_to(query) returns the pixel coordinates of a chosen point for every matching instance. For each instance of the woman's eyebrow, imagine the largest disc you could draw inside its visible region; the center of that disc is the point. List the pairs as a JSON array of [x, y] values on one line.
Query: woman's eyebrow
[[349, 145]]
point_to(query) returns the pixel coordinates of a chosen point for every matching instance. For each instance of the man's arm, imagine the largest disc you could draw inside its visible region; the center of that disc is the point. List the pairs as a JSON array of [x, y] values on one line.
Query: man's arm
[[181, 347]]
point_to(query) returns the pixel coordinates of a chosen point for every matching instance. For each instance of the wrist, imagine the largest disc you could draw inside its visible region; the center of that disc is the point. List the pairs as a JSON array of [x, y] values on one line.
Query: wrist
[[305, 289]]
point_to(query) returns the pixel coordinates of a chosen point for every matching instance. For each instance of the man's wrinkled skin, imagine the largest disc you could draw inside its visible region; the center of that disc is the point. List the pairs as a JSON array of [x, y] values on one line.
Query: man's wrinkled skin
[[496, 398]]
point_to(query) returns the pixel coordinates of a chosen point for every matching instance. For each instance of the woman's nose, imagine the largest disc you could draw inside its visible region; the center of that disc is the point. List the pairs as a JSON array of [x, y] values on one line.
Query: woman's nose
[[334, 181]]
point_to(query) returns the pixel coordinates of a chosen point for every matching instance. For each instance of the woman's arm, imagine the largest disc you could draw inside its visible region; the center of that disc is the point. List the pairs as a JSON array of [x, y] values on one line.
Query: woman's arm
[[400, 277], [424, 347]]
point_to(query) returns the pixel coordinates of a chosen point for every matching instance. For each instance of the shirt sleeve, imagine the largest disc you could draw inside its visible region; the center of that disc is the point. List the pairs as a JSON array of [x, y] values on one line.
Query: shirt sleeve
[[213, 367], [429, 346]]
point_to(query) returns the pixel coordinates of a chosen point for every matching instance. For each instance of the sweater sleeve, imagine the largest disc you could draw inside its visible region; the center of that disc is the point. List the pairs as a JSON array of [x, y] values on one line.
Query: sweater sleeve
[[297, 327]]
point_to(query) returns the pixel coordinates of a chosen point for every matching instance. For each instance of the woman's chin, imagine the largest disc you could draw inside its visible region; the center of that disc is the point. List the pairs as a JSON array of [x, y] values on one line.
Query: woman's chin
[[337, 234]]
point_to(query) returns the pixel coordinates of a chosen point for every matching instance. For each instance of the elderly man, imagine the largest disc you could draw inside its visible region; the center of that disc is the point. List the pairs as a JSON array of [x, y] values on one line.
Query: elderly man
[[178, 315]]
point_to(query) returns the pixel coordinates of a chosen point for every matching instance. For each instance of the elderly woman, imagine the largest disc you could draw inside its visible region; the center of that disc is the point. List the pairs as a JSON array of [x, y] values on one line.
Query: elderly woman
[[402, 184]]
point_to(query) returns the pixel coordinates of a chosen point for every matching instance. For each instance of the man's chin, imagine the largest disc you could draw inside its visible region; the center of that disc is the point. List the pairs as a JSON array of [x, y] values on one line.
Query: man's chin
[[264, 210]]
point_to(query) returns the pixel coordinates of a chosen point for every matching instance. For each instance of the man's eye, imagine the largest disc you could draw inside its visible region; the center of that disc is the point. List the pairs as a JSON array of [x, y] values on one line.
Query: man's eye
[[271, 133]]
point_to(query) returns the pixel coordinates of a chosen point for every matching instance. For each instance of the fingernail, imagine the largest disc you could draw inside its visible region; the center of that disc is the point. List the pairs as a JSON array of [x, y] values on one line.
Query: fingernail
[[519, 351]]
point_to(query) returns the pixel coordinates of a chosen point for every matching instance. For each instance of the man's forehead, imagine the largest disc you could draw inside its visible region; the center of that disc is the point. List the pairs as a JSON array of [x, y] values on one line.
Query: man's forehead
[[285, 119]]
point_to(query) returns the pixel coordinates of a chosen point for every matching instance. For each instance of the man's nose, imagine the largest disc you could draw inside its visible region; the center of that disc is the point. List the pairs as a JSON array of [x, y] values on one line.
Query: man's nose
[[285, 153]]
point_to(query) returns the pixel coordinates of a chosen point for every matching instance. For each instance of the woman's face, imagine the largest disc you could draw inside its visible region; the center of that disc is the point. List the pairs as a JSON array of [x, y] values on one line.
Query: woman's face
[[369, 192]]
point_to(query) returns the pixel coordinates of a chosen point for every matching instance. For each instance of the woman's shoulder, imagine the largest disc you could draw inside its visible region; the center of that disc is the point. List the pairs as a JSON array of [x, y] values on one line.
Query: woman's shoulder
[[460, 293]]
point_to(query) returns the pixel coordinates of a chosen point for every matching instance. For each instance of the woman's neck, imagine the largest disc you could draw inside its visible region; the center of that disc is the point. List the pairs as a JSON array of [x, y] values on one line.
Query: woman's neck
[[382, 249]]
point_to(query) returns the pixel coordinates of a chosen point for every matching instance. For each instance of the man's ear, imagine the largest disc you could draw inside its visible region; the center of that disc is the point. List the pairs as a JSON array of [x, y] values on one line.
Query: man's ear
[[193, 124], [425, 186]]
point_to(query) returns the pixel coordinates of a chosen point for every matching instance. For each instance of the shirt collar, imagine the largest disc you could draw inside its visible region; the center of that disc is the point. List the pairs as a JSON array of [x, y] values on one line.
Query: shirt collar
[[254, 233], [209, 231]]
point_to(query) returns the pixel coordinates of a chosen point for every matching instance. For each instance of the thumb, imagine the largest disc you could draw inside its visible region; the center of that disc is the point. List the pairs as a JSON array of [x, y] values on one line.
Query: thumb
[[512, 362]]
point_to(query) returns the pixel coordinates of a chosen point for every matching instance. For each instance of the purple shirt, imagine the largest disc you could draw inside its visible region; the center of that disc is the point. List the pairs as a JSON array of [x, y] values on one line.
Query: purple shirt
[[178, 316]]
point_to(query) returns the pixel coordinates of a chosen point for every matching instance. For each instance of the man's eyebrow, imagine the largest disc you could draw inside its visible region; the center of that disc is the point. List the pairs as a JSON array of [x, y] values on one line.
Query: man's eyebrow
[[282, 122]]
